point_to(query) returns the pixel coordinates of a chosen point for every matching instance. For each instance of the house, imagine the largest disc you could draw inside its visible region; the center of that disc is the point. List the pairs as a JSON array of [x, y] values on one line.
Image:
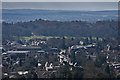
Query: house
[[28, 48], [14, 55], [39, 64], [17, 52], [75, 47], [48, 67], [41, 52], [22, 72], [93, 57], [13, 75]]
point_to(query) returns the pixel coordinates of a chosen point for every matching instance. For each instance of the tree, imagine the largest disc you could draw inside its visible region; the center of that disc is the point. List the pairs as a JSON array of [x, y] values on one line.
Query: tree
[[107, 69], [64, 72], [32, 74], [63, 46], [20, 62], [101, 58], [77, 73], [53, 75]]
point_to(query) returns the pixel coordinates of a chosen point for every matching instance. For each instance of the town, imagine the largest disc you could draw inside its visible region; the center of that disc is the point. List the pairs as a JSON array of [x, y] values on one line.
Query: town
[[61, 57]]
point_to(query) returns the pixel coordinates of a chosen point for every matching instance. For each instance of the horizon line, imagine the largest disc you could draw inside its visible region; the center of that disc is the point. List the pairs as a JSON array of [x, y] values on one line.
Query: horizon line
[[55, 9]]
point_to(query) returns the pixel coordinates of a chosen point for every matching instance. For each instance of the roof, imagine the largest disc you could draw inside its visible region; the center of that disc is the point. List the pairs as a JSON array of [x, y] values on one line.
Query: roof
[[80, 46], [29, 48], [1, 47], [41, 51], [14, 52]]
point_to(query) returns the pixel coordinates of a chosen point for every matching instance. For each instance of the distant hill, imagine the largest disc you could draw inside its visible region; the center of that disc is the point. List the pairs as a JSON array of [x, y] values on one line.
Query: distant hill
[[56, 28], [18, 15]]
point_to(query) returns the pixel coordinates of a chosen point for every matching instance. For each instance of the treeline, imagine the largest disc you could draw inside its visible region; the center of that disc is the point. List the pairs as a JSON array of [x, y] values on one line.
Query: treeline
[[56, 28]]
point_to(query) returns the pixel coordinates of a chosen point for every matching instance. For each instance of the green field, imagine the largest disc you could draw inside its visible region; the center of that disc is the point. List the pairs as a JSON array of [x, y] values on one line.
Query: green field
[[66, 37], [45, 37]]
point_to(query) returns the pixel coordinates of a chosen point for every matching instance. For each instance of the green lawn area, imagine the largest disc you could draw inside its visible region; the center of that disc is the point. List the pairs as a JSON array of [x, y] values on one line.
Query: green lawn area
[[45, 37], [66, 37]]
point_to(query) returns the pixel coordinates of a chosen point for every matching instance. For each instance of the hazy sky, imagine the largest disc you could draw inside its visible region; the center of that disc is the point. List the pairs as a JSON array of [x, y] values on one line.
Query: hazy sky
[[59, 0], [61, 5]]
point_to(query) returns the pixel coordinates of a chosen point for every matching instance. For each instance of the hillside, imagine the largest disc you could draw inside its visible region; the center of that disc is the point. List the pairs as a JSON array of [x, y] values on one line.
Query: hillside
[[56, 28]]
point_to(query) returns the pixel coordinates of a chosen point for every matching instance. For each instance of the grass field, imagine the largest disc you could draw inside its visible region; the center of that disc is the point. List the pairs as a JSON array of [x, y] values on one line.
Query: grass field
[[46, 37], [66, 37]]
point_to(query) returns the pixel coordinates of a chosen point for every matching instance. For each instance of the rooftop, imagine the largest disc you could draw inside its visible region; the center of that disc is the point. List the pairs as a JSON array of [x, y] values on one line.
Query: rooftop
[[13, 52]]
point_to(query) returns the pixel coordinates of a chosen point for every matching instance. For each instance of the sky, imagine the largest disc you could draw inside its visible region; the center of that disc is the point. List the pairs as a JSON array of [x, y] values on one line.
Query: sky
[[61, 5], [59, 0]]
